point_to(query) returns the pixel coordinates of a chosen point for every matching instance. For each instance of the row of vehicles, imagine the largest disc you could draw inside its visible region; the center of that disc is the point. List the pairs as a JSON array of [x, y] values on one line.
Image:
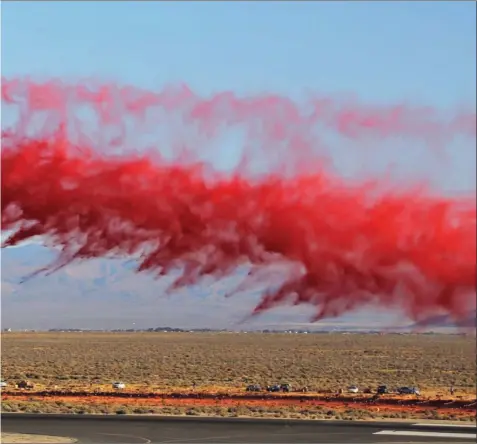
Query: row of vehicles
[[381, 390], [269, 388], [22, 384], [30, 385]]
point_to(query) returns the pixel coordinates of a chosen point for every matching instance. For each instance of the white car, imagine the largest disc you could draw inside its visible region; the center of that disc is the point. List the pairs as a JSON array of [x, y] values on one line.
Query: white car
[[353, 389], [119, 385], [3, 384]]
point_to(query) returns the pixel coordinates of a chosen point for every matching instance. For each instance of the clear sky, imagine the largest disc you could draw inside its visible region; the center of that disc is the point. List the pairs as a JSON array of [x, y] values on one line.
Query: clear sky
[[381, 50]]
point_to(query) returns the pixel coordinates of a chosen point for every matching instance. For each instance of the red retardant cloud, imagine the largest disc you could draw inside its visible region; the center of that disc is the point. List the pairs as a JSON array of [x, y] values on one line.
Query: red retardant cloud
[[67, 174]]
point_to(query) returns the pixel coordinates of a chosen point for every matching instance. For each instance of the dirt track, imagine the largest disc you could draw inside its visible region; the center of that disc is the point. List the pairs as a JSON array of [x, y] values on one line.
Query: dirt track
[[378, 404]]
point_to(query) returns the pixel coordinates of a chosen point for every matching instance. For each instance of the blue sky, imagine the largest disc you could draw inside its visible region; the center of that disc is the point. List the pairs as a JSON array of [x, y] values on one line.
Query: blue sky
[[381, 50]]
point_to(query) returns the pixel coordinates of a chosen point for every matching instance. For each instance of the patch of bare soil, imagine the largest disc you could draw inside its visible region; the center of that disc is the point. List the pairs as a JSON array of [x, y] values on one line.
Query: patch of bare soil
[[19, 438]]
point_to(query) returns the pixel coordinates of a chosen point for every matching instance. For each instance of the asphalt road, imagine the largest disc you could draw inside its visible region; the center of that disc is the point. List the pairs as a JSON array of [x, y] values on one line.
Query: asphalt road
[[192, 430]]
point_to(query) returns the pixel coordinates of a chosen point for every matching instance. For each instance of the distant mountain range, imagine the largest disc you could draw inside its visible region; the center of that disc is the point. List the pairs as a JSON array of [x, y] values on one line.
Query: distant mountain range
[[109, 294], [443, 321], [102, 293]]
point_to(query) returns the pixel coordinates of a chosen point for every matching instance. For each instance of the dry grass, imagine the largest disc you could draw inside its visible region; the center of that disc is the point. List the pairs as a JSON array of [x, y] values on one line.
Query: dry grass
[[216, 361], [238, 410], [125, 408]]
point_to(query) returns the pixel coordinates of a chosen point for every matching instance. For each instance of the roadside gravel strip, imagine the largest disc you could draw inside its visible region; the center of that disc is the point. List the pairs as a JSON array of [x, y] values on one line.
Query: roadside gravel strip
[[17, 438]]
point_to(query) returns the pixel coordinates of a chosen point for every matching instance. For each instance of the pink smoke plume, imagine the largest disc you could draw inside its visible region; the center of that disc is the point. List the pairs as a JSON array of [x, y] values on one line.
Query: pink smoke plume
[[69, 174]]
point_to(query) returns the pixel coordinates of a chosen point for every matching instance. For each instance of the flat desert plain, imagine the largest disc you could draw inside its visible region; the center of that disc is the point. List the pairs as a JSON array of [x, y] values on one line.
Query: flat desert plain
[[207, 374]]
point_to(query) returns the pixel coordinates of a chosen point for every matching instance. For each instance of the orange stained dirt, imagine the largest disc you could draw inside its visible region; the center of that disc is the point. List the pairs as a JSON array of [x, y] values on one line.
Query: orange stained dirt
[[463, 397], [436, 401], [235, 402]]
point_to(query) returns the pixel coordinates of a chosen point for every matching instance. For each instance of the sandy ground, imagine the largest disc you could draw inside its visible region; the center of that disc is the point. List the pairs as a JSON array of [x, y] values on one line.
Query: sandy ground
[[40, 439]]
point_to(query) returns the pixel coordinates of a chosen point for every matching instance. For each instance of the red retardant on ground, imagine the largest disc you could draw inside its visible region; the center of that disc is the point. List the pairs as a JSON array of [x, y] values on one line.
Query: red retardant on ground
[[72, 177]]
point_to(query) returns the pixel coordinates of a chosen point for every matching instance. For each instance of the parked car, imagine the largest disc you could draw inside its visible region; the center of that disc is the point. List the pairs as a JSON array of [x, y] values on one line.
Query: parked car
[[353, 389], [3, 383], [273, 388], [26, 385], [119, 385], [408, 391], [382, 389], [253, 388], [285, 387]]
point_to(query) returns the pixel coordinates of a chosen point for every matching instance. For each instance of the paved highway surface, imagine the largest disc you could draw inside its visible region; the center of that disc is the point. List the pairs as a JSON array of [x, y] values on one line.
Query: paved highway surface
[[87, 429]]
